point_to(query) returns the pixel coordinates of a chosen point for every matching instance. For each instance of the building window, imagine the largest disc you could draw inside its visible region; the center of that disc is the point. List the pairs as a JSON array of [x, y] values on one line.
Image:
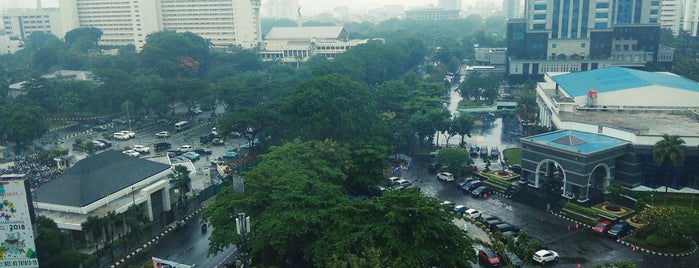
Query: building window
[[539, 16], [602, 5], [553, 45], [654, 12], [539, 26], [654, 3], [600, 25], [601, 15], [540, 7], [582, 45]]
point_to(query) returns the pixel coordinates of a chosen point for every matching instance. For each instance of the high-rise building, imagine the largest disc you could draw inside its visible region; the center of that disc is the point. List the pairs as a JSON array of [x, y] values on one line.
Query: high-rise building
[[281, 9], [512, 9], [431, 14], [671, 15], [20, 23], [222, 22], [690, 18], [579, 35], [449, 4]]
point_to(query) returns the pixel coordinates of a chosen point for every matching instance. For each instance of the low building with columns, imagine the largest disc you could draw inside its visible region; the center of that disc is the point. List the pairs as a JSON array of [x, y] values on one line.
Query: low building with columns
[[102, 183], [606, 123]]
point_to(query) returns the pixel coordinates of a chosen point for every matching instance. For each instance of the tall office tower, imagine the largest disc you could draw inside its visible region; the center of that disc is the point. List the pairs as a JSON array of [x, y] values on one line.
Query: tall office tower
[[690, 18], [281, 9], [449, 4], [671, 15], [223, 22], [512, 9], [122, 22], [20, 23], [579, 35]]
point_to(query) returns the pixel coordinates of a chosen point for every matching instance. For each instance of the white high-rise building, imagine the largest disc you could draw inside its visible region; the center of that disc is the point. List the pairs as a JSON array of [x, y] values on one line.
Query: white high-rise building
[[690, 18], [281, 9], [512, 9], [222, 22], [20, 23], [671, 15]]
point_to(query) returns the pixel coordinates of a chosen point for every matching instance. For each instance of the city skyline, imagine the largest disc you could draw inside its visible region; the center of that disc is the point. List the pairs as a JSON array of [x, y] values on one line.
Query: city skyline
[[308, 7]]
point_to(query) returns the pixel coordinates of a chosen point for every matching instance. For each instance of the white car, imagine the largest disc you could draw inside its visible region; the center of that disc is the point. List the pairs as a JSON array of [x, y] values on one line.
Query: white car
[[141, 149], [131, 134], [121, 136], [543, 256], [131, 153], [163, 134], [185, 148], [445, 176], [392, 181], [472, 213]]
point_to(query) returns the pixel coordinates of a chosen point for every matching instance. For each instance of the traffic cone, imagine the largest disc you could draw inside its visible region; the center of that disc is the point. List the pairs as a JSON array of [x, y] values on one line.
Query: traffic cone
[[568, 227], [633, 249], [578, 264], [485, 196], [577, 226]]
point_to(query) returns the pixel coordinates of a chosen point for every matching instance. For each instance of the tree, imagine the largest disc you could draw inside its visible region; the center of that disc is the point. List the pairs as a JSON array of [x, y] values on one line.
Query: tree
[[83, 39], [54, 248], [527, 109], [462, 125], [669, 151], [172, 54], [22, 124], [180, 179], [455, 158], [671, 222], [91, 226]]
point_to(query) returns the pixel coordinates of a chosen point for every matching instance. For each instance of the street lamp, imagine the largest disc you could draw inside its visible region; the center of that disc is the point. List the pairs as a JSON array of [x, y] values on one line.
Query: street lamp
[[242, 226]]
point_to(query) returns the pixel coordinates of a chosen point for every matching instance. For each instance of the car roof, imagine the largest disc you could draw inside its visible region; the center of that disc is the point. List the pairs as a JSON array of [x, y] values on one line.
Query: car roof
[[402, 180], [542, 252]]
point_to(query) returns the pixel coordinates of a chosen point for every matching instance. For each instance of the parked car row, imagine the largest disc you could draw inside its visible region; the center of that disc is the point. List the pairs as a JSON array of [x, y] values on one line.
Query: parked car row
[[124, 135]]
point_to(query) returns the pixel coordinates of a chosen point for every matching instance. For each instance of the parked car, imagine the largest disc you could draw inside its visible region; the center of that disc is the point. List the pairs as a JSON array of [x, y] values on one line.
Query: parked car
[[505, 235], [485, 218], [468, 187], [173, 153], [119, 121], [461, 183], [191, 156], [447, 206], [473, 150], [435, 166], [131, 153], [494, 153], [481, 191], [602, 227], [99, 144], [99, 128], [392, 181], [492, 223], [185, 148], [504, 227], [512, 259], [203, 151], [162, 146], [543, 256], [141, 149], [460, 209], [488, 256], [472, 213], [376, 190], [229, 155], [163, 134], [121, 136], [217, 141], [445, 176], [619, 230], [131, 134], [106, 143], [403, 183], [484, 151]]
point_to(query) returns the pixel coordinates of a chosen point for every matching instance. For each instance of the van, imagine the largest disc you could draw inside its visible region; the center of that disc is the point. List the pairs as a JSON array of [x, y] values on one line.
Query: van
[[182, 125]]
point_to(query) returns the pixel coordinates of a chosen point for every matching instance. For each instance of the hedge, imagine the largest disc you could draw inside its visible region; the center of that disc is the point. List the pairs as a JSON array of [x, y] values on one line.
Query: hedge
[[589, 211]]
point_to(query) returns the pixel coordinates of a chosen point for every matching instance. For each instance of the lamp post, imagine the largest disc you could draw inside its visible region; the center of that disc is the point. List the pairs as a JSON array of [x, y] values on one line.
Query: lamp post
[[242, 225]]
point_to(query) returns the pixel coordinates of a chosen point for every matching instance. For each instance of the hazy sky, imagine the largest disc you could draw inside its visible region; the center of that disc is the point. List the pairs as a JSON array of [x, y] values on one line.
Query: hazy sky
[[309, 6]]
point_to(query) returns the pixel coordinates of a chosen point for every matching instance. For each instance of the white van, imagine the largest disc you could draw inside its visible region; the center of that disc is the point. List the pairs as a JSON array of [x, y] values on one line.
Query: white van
[[182, 125]]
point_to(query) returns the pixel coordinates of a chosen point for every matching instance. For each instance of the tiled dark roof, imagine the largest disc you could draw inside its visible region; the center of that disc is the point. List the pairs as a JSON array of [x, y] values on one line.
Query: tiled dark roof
[[96, 177]]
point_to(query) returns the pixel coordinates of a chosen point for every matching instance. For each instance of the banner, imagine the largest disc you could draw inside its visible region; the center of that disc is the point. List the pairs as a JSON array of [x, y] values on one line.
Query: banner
[[16, 235], [160, 263]]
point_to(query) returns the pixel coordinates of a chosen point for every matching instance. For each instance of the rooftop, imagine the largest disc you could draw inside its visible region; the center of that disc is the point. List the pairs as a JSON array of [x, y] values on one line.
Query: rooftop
[[647, 123], [577, 141], [618, 78], [306, 33]]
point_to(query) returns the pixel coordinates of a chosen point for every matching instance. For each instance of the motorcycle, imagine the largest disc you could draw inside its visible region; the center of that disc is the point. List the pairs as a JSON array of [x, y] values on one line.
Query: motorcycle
[[204, 227]]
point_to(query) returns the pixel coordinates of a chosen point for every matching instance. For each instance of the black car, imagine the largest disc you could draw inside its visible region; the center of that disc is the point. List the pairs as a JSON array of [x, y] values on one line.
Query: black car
[[468, 187], [481, 191], [492, 223], [484, 151], [203, 151], [160, 146], [505, 227], [485, 218], [434, 167], [462, 182], [106, 143], [512, 259], [473, 150], [619, 230], [99, 128]]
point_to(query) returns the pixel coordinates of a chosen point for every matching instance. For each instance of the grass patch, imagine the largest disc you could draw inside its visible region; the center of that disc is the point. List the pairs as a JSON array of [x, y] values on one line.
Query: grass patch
[[588, 211], [474, 103], [661, 243], [496, 180], [513, 156]]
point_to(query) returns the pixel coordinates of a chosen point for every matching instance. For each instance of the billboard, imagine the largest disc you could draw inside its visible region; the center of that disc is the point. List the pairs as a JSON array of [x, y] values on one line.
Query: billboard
[[16, 235]]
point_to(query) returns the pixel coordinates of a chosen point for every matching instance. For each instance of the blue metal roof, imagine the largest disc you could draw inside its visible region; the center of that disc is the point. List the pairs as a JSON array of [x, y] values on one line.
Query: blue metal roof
[[618, 78], [577, 141]]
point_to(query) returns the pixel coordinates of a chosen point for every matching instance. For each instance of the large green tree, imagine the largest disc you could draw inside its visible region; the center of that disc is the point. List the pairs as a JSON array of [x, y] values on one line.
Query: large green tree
[[455, 158], [171, 54], [83, 39], [180, 179], [669, 151], [22, 124], [54, 248]]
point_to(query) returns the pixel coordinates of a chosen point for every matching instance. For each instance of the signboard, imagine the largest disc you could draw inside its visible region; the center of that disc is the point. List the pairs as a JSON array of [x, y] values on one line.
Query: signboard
[[160, 263], [16, 235]]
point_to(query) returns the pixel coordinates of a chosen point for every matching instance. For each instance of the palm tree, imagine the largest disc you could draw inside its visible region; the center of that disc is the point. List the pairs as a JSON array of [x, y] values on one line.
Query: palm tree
[[110, 219], [91, 226], [180, 178], [669, 150]]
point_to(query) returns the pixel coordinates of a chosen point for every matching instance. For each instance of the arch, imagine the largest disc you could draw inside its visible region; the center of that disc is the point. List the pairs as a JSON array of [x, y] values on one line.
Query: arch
[[538, 172], [602, 186]]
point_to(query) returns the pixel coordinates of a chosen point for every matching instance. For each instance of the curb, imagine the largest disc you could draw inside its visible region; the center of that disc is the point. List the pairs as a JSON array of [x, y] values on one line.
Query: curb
[[154, 240], [632, 246]]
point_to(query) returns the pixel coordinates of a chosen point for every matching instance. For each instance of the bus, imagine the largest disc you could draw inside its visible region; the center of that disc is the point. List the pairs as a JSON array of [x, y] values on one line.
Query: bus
[[182, 125]]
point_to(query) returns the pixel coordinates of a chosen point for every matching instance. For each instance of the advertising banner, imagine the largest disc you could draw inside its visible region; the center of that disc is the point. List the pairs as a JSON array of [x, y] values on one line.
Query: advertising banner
[[16, 235]]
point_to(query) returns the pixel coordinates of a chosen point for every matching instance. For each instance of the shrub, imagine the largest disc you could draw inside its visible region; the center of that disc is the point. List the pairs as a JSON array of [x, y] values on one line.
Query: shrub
[[657, 241], [87, 262]]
